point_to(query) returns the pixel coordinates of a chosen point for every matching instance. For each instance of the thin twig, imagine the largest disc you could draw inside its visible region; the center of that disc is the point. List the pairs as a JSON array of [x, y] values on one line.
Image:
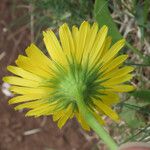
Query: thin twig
[[2, 55]]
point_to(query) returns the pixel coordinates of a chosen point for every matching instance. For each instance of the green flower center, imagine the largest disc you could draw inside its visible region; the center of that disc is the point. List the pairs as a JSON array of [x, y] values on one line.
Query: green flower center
[[79, 79], [72, 86]]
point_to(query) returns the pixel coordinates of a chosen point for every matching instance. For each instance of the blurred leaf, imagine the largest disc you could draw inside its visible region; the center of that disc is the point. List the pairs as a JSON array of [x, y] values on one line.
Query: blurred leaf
[[134, 136], [53, 13], [144, 112], [20, 21], [147, 60], [146, 10], [142, 94], [70, 11], [103, 17], [137, 65], [141, 15], [129, 114]]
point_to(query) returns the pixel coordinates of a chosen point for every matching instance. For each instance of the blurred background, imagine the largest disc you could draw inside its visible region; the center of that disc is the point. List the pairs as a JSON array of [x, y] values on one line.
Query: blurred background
[[22, 22]]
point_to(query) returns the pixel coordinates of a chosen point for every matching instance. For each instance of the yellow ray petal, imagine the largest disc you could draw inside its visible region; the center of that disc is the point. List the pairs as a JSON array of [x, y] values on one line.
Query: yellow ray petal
[[106, 45], [26, 90], [36, 54], [118, 72], [34, 62], [57, 115], [20, 81], [118, 80], [66, 39], [53, 47], [21, 98], [107, 110], [122, 88], [41, 110], [28, 65], [23, 73], [97, 49], [122, 72], [25, 98], [91, 39], [32, 104], [67, 113], [113, 63], [82, 121], [83, 32], [72, 115], [75, 36], [110, 98], [113, 51]]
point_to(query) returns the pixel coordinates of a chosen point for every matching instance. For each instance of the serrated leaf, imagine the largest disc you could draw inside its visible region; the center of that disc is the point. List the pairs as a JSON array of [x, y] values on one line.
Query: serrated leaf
[[103, 17]]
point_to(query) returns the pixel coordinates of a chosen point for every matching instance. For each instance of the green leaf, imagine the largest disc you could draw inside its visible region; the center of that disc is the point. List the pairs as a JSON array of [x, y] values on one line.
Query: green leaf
[[103, 17], [143, 94], [129, 114], [147, 60], [141, 15]]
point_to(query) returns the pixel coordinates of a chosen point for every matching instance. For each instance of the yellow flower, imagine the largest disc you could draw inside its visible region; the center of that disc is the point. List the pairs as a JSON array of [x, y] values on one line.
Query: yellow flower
[[83, 63]]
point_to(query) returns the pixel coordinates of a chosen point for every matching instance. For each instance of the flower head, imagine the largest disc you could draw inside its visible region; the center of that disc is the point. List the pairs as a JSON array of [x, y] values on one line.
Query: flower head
[[83, 63]]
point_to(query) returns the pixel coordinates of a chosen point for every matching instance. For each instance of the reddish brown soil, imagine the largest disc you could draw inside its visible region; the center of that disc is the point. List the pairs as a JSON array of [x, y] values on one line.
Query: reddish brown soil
[[13, 125]]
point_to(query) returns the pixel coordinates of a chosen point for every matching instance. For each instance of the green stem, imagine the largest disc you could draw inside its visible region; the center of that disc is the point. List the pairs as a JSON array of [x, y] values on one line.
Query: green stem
[[92, 122]]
